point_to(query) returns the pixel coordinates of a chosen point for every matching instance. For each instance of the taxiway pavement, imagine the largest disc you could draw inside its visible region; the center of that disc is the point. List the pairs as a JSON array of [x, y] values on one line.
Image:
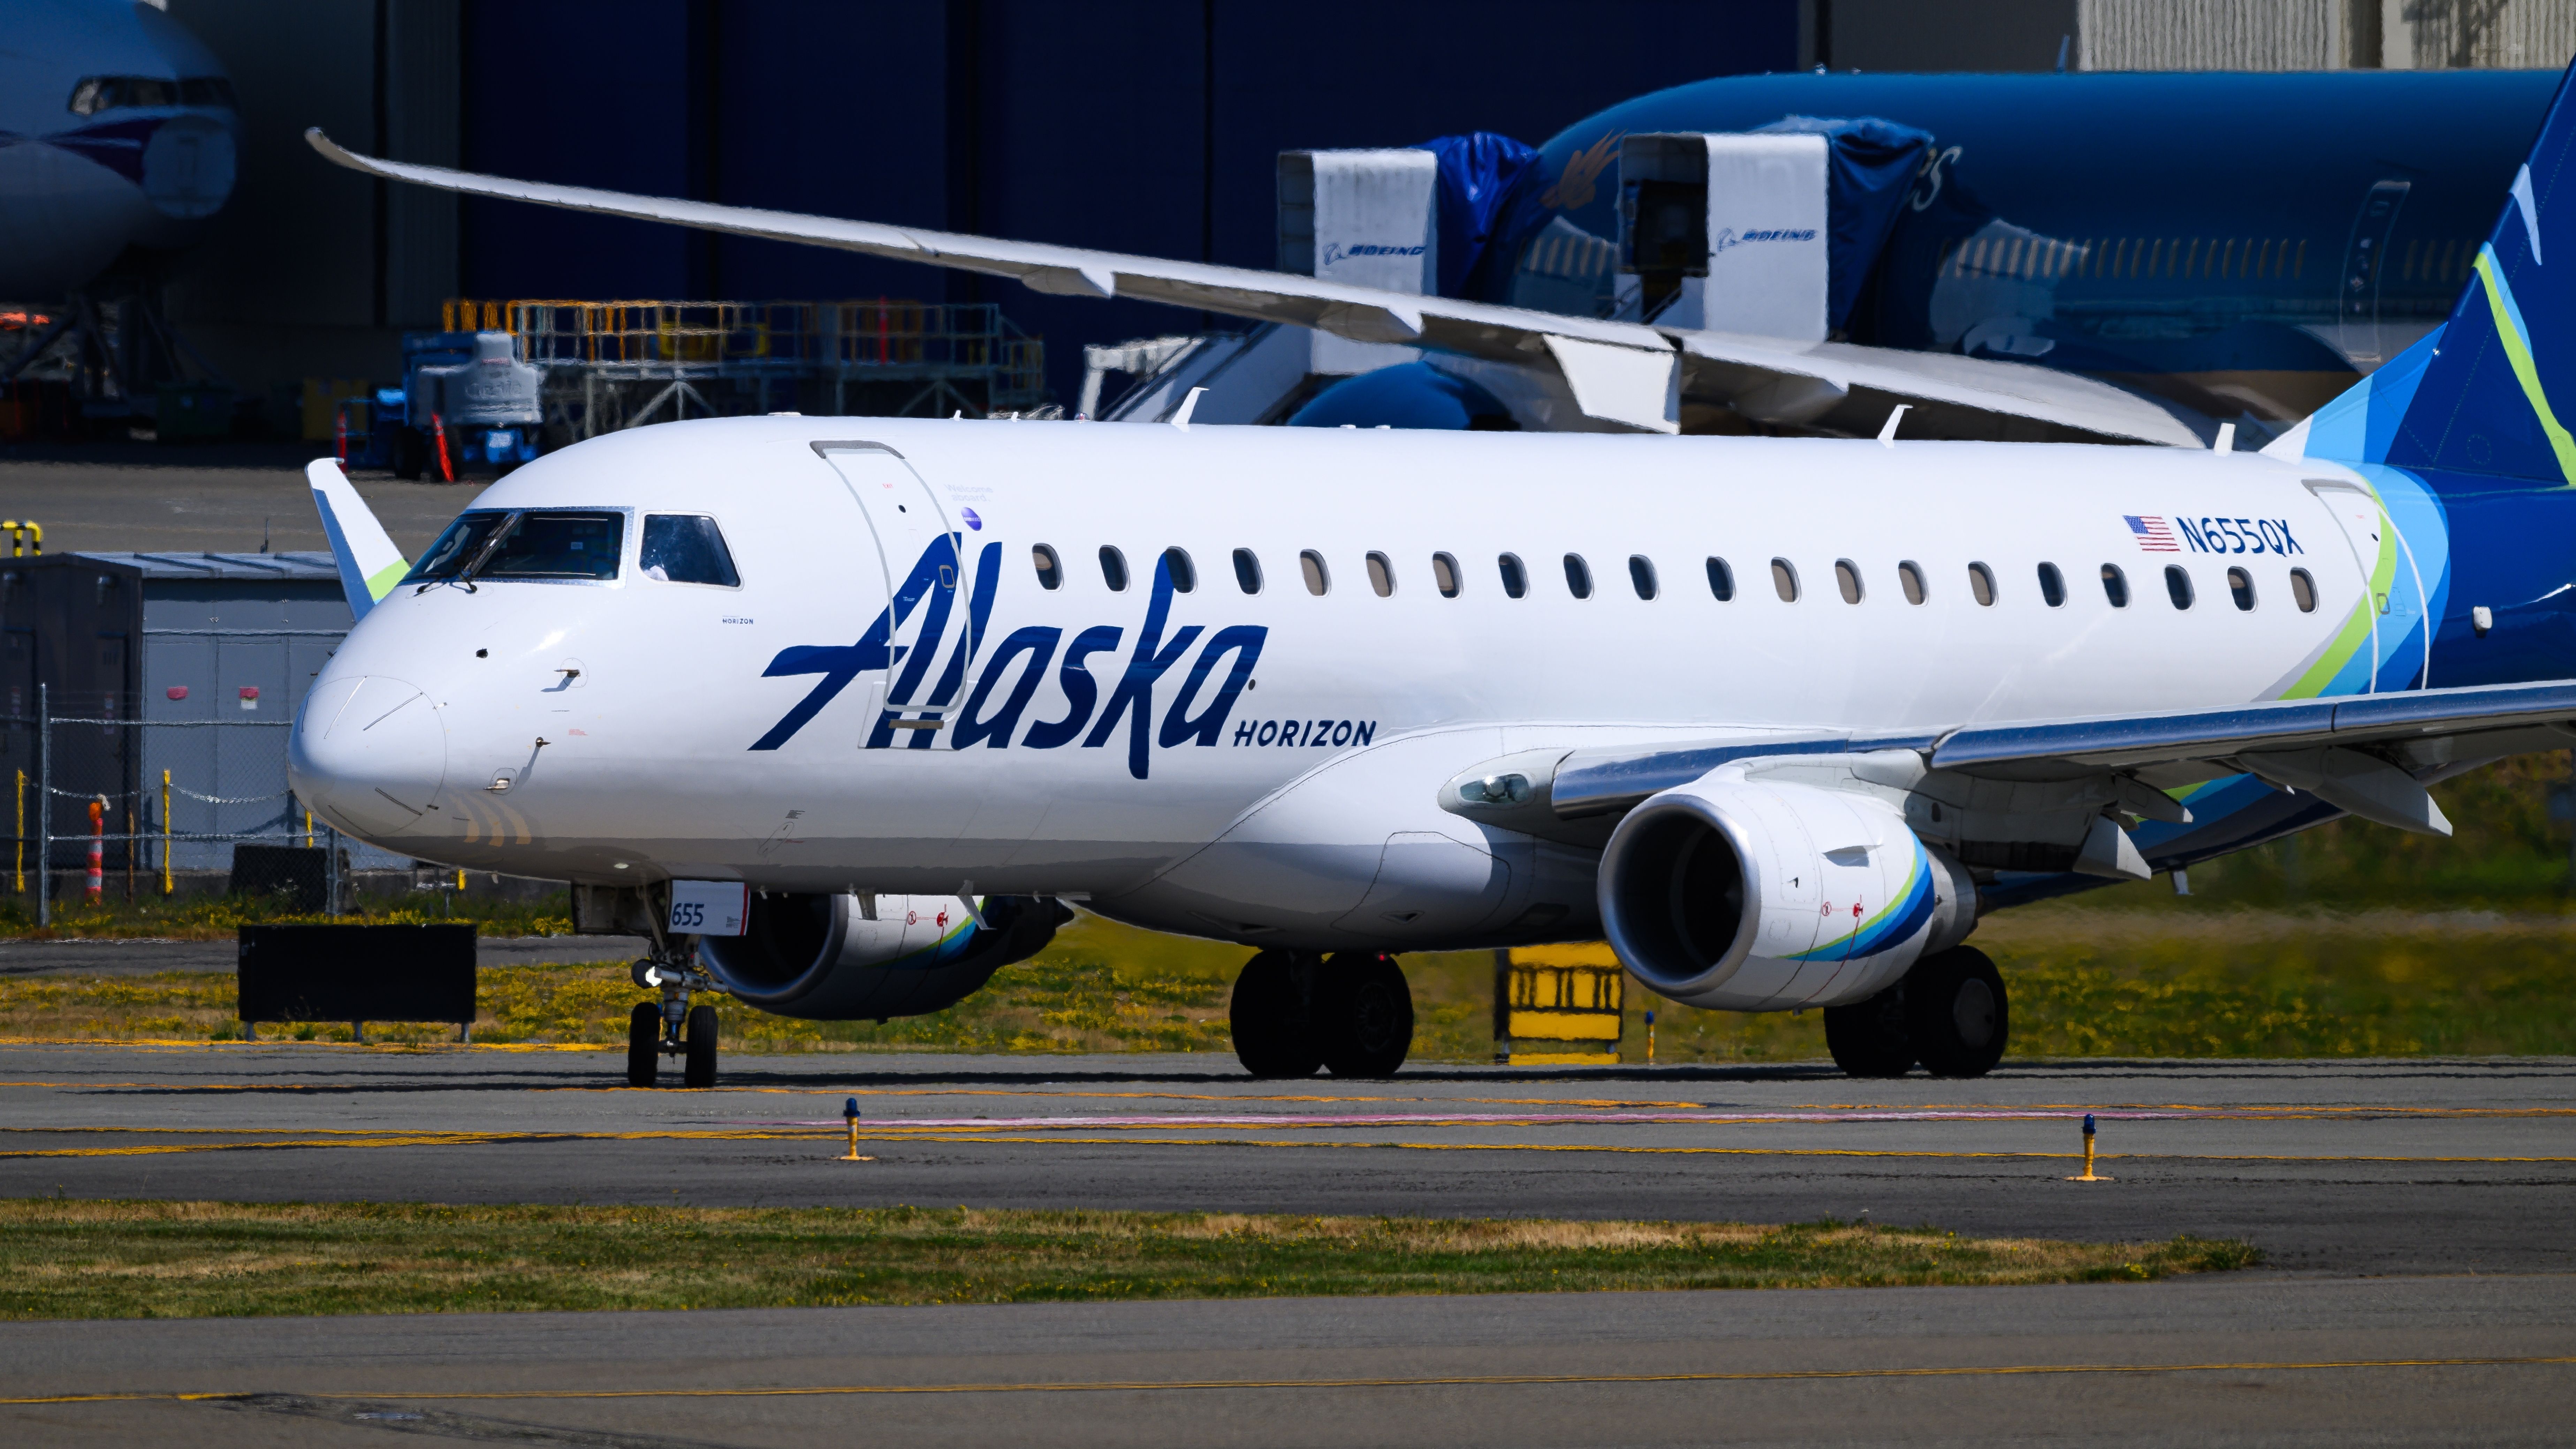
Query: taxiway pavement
[[2204, 1361], [2414, 1213], [2381, 1166]]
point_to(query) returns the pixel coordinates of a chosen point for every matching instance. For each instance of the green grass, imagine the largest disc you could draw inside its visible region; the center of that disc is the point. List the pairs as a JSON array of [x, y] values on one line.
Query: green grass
[[2213, 981], [216, 918], [74, 1259]]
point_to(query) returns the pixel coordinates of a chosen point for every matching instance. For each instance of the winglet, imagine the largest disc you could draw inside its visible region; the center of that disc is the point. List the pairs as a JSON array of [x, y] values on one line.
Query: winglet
[[370, 565]]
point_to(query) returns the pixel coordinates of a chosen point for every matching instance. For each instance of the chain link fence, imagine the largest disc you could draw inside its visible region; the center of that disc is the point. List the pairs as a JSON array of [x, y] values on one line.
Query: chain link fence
[[103, 800]]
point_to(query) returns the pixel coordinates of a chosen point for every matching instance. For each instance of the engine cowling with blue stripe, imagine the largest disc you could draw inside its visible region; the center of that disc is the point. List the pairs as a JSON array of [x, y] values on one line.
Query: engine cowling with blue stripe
[[1744, 895], [845, 957]]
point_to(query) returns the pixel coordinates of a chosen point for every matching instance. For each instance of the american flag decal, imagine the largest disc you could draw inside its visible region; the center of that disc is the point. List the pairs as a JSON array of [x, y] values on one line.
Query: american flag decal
[[2153, 536]]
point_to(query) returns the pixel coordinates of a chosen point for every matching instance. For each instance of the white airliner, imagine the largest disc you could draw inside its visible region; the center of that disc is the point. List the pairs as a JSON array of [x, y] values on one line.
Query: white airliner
[[840, 709], [117, 130]]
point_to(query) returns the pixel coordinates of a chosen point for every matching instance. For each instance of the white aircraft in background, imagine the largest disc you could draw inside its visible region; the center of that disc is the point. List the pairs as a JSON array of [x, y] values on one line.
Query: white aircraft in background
[[840, 709], [117, 129]]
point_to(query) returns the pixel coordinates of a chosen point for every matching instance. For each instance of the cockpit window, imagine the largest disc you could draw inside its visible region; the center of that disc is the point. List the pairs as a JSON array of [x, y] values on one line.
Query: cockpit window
[[683, 548], [558, 546], [491, 544], [457, 547], [116, 92]]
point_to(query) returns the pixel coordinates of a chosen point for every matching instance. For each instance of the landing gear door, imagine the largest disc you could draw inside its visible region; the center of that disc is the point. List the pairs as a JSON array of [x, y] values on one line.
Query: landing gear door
[[925, 574]]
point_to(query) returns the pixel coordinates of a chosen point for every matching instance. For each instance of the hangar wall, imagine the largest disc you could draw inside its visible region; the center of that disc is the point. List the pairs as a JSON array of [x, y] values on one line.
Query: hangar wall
[[1136, 125], [1140, 125]]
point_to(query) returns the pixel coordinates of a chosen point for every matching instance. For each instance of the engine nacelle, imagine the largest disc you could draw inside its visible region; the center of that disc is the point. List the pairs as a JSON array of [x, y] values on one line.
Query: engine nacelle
[[1750, 896], [846, 957]]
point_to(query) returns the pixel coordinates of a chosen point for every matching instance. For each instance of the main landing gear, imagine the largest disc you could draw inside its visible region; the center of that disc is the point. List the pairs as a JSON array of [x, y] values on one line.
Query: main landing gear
[[1350, 1013], [671, 1027], [1948, 1013]]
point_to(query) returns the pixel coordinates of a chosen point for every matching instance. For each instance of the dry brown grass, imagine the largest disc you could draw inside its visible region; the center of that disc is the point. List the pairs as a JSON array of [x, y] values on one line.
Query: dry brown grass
[[67, 1259]]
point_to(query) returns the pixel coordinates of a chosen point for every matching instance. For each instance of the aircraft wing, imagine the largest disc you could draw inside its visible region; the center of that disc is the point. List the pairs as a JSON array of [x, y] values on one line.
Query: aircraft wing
[[1622, 374], [2367, 754], [369, 563]]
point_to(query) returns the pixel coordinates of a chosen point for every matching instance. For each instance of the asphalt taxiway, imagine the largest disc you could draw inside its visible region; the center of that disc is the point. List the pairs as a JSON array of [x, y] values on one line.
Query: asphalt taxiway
[[2383, 1166], [2417, 1289]]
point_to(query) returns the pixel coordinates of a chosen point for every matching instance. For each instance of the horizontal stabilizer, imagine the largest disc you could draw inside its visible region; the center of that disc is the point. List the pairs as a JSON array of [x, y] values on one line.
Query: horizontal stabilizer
[[370, 565]]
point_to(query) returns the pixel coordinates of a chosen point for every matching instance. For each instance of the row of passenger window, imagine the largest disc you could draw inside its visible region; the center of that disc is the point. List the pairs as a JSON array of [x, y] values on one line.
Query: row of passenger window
[[1448, 578]]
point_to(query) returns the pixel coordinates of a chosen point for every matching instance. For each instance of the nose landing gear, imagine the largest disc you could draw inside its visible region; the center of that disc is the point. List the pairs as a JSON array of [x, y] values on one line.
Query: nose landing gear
[[672, 1027], [1350, 1013]]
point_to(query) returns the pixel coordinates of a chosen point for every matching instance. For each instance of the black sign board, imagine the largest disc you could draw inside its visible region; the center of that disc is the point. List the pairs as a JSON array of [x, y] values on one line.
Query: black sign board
[[357, 973]]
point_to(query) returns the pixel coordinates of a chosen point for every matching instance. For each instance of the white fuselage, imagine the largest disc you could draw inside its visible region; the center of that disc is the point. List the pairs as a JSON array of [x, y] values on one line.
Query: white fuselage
[[1318, 788]]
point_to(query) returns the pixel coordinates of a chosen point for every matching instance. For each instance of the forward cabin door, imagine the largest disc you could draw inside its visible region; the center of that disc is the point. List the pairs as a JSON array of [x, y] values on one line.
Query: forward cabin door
[[930, 631]]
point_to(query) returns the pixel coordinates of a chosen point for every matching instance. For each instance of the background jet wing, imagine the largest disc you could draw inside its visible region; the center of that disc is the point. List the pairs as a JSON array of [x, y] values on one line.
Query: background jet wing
[[369, 563], [1619, 374]]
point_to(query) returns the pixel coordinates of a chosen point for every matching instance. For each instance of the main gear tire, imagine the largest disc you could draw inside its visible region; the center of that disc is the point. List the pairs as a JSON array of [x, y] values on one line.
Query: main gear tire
[[1365, 1011], [698, 1069], [643, 1044], [1956, 1012], [1871, 1038], [1268, 1019]]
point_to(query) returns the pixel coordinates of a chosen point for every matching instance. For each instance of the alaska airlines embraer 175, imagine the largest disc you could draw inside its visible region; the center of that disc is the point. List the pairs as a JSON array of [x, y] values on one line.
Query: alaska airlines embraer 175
[[840, 710]]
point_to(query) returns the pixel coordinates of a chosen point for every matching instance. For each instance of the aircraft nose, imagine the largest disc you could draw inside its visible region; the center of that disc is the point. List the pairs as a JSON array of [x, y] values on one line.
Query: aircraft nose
[[370, 752]]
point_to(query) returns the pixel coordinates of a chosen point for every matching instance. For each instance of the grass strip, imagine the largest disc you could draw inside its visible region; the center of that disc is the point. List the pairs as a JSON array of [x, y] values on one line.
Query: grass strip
[[61, 1258]]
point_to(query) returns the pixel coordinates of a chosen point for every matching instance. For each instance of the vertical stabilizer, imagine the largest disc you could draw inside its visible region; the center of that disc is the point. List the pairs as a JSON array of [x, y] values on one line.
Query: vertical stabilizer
[[370, 565], [2493, 390]]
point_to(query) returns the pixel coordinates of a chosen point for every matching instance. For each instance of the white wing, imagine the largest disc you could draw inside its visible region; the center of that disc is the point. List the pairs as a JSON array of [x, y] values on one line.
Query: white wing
[[1620, 373]]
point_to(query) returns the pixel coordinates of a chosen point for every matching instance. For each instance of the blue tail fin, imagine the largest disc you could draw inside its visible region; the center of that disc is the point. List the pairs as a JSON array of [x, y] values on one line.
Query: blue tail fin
[[2492, 390]]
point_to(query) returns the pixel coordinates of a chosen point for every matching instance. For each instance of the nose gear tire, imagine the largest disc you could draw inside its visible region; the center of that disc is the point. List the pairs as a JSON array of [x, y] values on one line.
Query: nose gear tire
[[643, 1044], [1365, 1009], [1871, 1038], [699, 1068], [1956, 1013], [1268, 1019]]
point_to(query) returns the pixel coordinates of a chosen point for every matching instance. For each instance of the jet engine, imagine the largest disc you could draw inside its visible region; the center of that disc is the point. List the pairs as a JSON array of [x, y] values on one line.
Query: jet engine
[[845, 957], [1752, 896]]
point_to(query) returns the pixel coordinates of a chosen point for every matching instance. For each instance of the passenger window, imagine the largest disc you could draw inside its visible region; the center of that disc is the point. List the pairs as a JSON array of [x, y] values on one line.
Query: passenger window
[[1981, 584], [1909, 577], [2178, 585], [1847, 579], [686, 548], [1444, 575], [1578, 576], [1113, 569], [1784, 580], [2052, 585], [1247, 571], [1515, 581], [1721, 580], [1177, 563], [1318, 582], [1641, 575], [2303, 591], [1381, 575], [2115, 586], [2240, 587], [1050, 572]]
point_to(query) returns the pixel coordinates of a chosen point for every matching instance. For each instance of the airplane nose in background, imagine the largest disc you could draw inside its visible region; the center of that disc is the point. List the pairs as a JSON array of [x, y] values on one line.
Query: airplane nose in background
[[371, 753]]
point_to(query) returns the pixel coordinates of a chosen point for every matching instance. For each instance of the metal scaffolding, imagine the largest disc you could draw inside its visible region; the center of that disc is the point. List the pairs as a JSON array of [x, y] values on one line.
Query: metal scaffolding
[[612, 365]]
